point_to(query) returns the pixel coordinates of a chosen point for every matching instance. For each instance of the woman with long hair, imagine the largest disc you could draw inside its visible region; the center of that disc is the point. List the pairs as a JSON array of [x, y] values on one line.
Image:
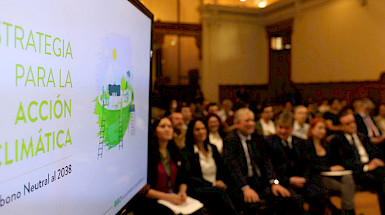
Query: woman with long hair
[[166, 171], [207, 175], [332, 176], [215, 131]]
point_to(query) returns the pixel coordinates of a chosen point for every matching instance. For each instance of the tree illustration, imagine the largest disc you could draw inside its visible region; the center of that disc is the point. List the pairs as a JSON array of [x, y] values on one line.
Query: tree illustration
[[123, 84]]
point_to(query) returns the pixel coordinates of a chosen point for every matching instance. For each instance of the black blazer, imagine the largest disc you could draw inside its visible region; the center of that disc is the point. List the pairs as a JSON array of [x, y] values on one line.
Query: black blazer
[[194, 171], [361, 126], [235, 160], [283, 165], [342, 153], [313, 163]]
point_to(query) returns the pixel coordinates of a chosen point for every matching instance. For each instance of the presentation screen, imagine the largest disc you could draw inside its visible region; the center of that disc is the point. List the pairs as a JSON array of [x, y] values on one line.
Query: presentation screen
[[74, 112]]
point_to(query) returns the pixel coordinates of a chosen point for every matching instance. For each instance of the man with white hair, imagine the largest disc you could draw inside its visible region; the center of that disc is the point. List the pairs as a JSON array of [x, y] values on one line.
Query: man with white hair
[[255, 182]]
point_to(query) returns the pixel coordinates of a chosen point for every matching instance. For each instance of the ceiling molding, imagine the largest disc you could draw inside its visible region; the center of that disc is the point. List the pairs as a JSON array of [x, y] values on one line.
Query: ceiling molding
[[277, 12]]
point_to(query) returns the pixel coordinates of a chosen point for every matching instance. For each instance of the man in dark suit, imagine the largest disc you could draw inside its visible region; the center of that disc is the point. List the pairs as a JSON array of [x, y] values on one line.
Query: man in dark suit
[[355, 152], [254, 179], [367, 125], [285, 153]]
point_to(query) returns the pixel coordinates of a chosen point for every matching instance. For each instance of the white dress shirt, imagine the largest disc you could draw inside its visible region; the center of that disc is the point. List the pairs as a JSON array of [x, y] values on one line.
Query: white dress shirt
[[217, 140], [208, 165], [222, 114], [364, 157], [299, 131], [247, 155]]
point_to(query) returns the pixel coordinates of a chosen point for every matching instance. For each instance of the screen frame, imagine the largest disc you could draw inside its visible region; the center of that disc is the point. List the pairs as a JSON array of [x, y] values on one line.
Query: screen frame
[[143, 9], [128, 207]]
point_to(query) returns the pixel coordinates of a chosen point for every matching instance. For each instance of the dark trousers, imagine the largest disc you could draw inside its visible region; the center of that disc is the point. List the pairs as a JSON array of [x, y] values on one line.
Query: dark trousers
[[314, 193], [374, 180], [269, 204], [344, 186]]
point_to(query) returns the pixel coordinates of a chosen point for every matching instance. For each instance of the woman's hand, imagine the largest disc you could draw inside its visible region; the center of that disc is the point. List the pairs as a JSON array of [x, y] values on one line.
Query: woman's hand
[[176, 199], [297, 181], [183, 195], [221, 184], [337, 168]]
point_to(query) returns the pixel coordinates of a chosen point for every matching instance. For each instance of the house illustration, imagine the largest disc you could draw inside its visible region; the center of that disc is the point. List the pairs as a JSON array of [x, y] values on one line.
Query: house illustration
[[114, 90]]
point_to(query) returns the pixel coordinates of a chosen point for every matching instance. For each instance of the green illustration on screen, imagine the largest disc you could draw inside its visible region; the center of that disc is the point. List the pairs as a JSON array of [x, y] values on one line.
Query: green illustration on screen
[[115, 108]]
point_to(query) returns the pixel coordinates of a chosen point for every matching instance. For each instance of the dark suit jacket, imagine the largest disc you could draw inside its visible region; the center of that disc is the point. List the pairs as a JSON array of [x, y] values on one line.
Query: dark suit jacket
[[342, 153], [194, 171], [361, 126], [235, 160], [284, 166]]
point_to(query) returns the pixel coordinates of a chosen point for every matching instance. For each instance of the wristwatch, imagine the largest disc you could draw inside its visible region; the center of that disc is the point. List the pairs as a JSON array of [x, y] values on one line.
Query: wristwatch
[[273, 181]]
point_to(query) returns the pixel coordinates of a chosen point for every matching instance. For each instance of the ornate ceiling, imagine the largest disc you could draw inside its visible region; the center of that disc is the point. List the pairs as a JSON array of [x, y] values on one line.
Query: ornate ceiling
[[241, 3]]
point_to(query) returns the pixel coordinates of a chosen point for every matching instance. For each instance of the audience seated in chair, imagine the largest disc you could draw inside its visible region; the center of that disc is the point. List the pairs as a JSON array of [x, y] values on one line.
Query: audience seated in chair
[[208, 178], [179, 127], [285, 153], [226, 110], [215, 131], [212, 108], [265, 125], [355, 152], [331, 117], [315, 154], [186, 113], [255, 184], [300, 126], [366, 124], [166, 172]]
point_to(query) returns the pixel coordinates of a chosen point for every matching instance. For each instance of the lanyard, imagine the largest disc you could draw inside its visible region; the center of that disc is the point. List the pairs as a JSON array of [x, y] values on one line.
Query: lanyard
[[167, 167]]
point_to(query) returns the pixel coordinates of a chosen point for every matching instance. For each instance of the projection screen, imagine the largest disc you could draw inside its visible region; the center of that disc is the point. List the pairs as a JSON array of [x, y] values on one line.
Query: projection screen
[[74, 113]]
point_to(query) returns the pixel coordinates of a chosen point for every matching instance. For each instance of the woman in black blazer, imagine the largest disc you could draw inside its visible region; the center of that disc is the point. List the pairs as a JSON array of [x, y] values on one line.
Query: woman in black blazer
[[320, 170], [207, 176], [166, 172]]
